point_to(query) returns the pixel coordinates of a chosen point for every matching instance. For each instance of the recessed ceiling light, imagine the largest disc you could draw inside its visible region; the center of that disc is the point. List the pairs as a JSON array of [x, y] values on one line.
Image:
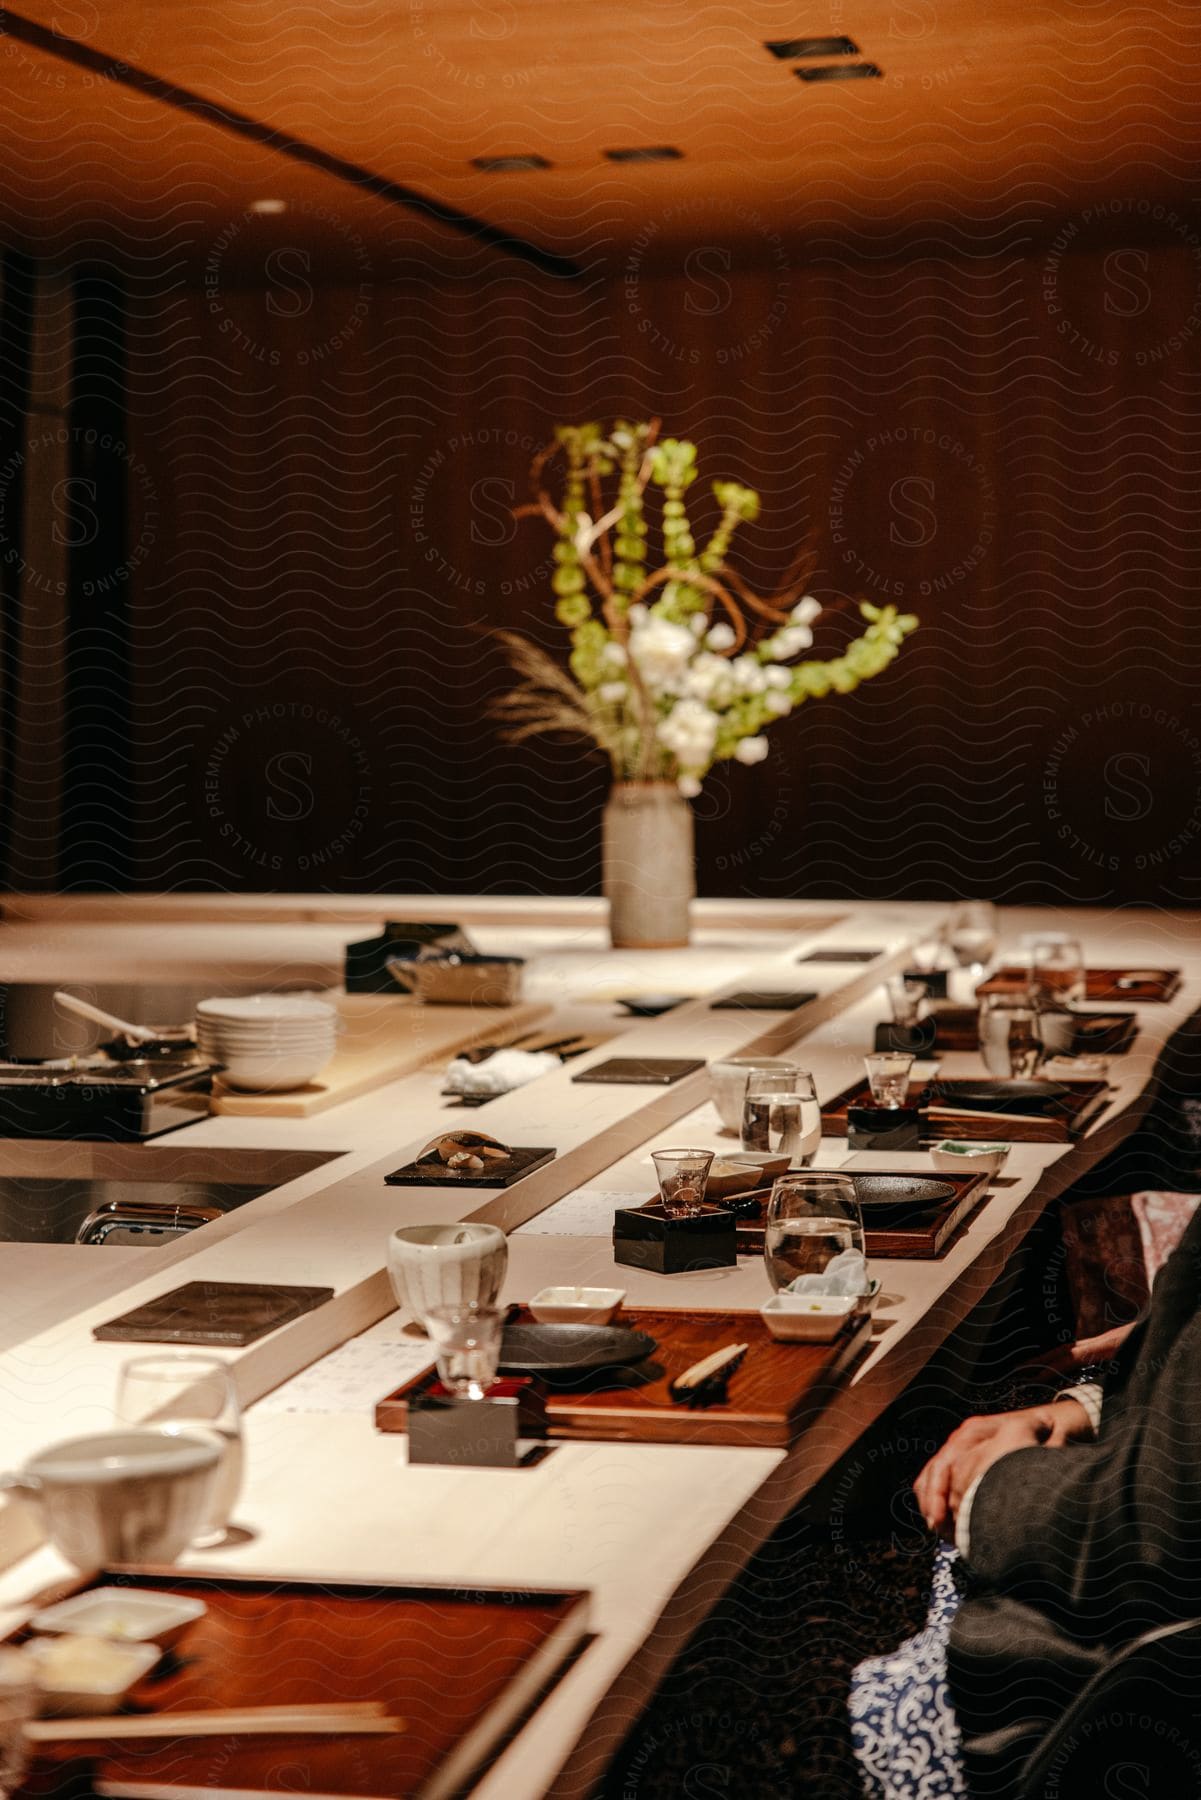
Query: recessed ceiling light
[[787, 49], [268, 206], [648, 153], [504, 165], [840, 72]]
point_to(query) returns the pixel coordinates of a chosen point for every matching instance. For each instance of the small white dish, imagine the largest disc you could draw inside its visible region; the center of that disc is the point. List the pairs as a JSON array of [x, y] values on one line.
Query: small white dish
[[122, 1614], [959, 1156], [809, 1318], [87, 1674], [576, 1305]]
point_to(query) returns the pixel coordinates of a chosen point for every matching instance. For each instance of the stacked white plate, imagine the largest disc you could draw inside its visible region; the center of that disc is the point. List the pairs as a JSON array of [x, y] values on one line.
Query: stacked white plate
[[265, 1043]]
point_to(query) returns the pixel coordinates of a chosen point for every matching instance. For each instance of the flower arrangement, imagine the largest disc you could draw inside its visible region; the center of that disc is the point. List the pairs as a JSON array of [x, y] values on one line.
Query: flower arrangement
[[675, 668]]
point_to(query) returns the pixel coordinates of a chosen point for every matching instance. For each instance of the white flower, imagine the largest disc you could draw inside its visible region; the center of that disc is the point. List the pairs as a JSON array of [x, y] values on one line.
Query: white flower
[[612, 693], [751, 750], [637, 614], [777, 678], [662, 651], [721, 636], [689, 786], [747, 675], [707, 676], [786, 643], [698, 624], [689, 732], [778, 703], [614, 654], [806, 610]]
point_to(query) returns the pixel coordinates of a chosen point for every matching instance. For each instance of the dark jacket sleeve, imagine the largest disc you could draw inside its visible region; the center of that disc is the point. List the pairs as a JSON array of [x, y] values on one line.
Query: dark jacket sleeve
[[1105, 1538]]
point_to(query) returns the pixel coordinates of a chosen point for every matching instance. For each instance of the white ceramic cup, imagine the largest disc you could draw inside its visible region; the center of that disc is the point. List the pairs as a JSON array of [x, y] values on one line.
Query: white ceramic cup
[[727, 1080], [446, 1265], [125, 1496]]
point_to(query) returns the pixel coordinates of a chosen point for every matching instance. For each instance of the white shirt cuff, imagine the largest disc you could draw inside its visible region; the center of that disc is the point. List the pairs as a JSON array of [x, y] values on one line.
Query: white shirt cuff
[[1091, 1396], [963, 1520]]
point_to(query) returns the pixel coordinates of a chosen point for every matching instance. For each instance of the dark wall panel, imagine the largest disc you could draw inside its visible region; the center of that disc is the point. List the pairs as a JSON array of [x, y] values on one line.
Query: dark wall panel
[[1009, 446]]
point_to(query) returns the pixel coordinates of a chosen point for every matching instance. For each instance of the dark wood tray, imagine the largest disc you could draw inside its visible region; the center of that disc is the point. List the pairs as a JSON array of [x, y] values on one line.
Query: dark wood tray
[[1079, 1107], [773, 1395], [1099, 984], [461, 1667], [1094, 1034], [924, 1242]]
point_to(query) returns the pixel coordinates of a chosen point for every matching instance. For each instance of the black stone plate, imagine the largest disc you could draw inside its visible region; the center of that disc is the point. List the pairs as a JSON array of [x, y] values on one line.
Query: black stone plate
[[999, 1096], [904, 1190], [570, 1349]]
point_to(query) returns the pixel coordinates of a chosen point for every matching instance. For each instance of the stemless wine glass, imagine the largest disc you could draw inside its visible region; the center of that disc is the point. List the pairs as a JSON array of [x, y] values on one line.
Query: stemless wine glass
[[783, 1121], [972, 933], [682, 1177], [17, 1705], [466, 1343], [905, 997], [1011, 1041], [196, 1394], [810, 1220]]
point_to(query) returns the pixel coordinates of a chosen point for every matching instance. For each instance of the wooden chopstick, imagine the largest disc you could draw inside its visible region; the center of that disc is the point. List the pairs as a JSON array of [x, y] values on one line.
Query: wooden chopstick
[[348, 1718]]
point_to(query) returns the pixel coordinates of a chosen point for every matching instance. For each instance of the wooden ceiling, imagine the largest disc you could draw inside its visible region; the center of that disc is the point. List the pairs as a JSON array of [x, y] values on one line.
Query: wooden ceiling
[[145, 128]]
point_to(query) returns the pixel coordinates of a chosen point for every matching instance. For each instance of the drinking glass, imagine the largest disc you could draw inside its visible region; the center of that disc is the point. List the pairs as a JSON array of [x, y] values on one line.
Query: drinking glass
[[905, 996], [972, 933], [888, 1076], [810, 1220], [17, 1704], [196, 1395], [1056, 970], [1010, 1039], [682, 1177], [466, 1343], [784, 1122]]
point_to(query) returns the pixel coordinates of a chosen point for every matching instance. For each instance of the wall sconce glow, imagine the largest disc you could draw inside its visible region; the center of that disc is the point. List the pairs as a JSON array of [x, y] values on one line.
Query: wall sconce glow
[[268, 206]]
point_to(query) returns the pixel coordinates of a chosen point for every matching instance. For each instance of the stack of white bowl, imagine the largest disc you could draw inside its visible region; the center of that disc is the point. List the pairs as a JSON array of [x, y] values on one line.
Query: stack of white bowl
[[267, 1042]]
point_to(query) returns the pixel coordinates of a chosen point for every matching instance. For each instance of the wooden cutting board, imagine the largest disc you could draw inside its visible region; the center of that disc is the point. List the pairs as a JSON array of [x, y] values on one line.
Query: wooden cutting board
[[382, 1039], [773, 1396], [1099, 984]]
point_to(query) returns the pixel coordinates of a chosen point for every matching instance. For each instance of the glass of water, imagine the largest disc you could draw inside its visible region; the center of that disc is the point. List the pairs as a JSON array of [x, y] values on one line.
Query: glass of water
[[196, 1395], [682, 1178], [466, 1343], [972, 933], [810, 1220], [1011, 1041], [1057, 976], [783, 1122]]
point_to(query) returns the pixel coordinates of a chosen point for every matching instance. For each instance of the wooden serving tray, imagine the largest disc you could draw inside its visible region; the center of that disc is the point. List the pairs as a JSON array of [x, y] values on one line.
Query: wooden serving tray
[[774, 1394], [1095, 1034], [1083, 1101], [924, 1242], [383, 1039], [461, 1667], [1099, 984]]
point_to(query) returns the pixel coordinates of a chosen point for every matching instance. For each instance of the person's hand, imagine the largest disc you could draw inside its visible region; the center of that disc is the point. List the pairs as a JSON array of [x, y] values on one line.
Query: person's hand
[[1066, 1359], [975, 1445]]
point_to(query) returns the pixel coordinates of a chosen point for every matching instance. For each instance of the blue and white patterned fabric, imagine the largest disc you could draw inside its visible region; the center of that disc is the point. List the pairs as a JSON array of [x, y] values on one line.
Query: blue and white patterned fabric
[[903, 1725]]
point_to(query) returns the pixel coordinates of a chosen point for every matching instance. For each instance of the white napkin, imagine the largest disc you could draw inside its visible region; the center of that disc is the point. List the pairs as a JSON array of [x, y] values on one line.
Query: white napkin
[[498, 1074], [845, 1273]]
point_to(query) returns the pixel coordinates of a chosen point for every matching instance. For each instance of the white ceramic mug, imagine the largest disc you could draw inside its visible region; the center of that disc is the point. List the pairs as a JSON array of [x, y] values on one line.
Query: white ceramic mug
[[124, 1496], [446, 1265]]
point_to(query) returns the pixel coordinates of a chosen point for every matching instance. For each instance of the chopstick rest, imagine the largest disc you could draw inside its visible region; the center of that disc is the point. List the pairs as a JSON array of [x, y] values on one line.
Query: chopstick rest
[[707, 1382]]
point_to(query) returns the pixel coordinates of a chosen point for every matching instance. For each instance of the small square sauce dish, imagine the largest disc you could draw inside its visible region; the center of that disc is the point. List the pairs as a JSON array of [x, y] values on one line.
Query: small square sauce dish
[[809, 1318], [576, 1305], [958, 1156], [128, 1616], [89, 1675]]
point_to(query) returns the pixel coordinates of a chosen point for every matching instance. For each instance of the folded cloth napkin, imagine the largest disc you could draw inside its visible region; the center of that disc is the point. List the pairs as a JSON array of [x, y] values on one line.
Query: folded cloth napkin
[[498, 1074], [845, 1273]]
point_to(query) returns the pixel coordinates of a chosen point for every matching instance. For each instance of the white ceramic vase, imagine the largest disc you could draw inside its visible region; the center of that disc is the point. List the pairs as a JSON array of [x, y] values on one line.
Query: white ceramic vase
[[649, 857]]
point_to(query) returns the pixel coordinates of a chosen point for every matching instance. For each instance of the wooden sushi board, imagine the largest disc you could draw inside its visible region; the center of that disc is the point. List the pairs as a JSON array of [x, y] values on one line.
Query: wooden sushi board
[[382, 1039]]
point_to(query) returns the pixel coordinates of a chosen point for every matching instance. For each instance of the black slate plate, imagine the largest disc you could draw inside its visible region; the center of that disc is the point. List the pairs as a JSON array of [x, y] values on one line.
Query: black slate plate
[[908, 1190], [763, 1000], [999, 1096], [641, 1071], [570, 1349]]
